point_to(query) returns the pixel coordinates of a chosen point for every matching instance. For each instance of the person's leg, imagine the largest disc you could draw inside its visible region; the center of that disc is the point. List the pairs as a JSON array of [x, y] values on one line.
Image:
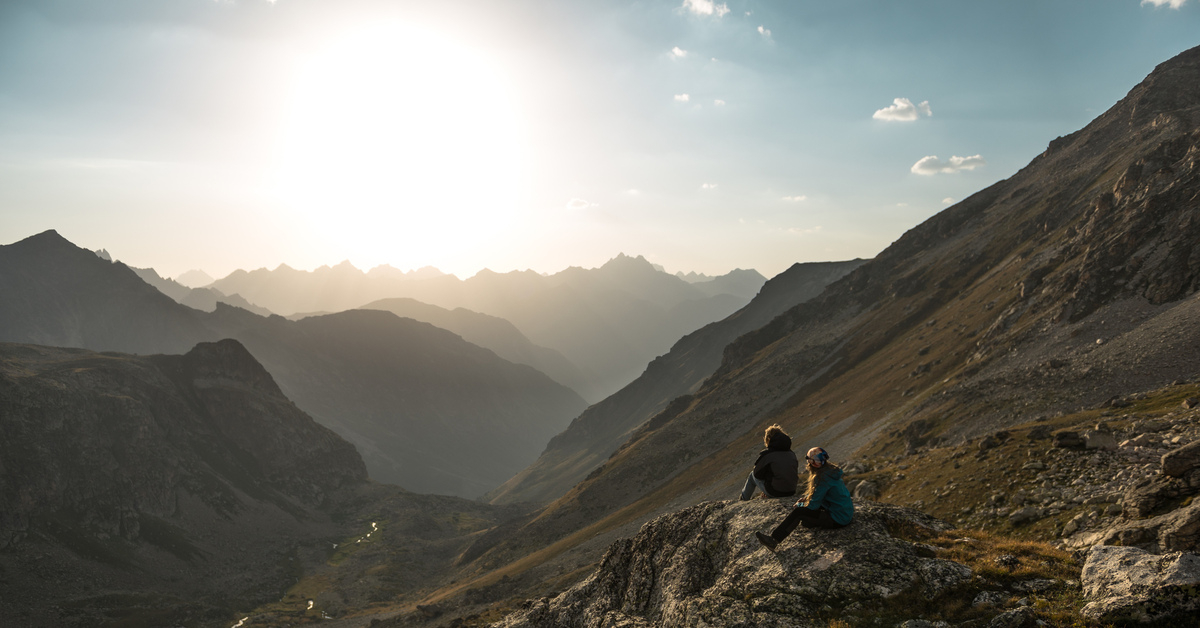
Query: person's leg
[[748, 489], [794, 519]]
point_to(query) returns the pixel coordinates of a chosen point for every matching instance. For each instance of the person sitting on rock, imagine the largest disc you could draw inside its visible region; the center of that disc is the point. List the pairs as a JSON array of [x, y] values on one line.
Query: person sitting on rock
[[776, 471], [826, 504]]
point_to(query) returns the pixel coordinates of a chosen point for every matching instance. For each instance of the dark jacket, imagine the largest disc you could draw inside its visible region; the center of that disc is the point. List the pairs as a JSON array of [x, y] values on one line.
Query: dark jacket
[[778, 468], [831, 494]]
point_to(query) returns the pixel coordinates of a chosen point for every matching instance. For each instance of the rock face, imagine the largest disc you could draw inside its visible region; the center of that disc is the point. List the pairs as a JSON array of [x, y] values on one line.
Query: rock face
[[1178, 462], [703, 566], [1129, 584]]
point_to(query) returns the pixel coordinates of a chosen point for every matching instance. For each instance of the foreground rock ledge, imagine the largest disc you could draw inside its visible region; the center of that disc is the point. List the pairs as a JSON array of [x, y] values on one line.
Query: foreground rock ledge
[[1129, 584], [702, 566]]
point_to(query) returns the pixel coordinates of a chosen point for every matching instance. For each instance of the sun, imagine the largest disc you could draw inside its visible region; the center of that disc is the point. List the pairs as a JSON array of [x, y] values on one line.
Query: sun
[[401, 145]]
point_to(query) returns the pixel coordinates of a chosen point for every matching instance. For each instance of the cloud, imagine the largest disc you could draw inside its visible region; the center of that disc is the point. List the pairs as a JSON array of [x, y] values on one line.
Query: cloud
[[931, 165], [682, 97], [1174, 4], [708, 186], [578, 205], [795, 199], [719, 103], [947, 201], [765, 32], [803, 232], [678, 52], [706, 7], [903, 110]]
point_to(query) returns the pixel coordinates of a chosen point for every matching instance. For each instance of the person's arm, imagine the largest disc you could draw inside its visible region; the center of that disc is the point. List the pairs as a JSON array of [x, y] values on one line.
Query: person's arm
[[818, 496]]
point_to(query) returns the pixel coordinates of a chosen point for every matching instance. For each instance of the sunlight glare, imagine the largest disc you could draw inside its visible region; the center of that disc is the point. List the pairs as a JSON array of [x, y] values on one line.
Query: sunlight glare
[[401, 146]]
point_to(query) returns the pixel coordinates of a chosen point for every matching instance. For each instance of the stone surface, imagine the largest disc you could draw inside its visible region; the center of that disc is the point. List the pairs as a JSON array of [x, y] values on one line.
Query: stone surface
[[1095, 439], [1143, 498], [1068, 439], [1177, 462], [1129, 584], [702, 566]]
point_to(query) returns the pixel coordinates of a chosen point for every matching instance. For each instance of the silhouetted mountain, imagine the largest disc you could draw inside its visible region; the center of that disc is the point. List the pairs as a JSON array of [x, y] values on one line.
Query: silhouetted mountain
[[1068, 284], [427, 409], [602, 428], [489, 332], [427, 415], [198, 298], [187, 479], [738, 282], [194, 278], [608, 321]]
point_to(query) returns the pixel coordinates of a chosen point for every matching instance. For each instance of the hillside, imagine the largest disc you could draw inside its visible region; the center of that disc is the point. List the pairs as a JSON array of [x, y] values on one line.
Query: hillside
[[608, 321], [1061, 287], [430, 391], [186, 479], [198, 298], [489, 332], [603, 427]]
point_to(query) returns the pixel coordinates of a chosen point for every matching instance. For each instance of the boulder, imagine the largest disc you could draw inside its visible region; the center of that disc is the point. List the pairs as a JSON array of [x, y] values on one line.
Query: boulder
[[1177, 462], [1025, 515], [1095, 439], [1125, 584], [1191, 402], [1016, 618], [1068, 439], [1149, 494], [703, 566], [866, 490]]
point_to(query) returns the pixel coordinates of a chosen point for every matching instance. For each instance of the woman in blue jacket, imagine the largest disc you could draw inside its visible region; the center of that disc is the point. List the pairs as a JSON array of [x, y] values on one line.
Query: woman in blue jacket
[[826, 504]]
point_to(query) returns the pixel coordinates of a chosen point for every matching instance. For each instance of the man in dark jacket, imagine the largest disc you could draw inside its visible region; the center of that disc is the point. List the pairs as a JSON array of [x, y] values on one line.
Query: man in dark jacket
[[776, 471]]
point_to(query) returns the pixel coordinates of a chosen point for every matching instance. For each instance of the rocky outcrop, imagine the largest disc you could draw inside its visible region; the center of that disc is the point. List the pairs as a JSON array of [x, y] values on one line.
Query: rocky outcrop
[[1177, 463], [703, 566], [1128, 584]]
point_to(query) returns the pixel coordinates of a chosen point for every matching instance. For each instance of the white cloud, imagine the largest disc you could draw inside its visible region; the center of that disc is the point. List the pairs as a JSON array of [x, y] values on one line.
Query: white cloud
[[706, 7], [765, 32], [682, 97], [708, 186], [931, 165], [678, 52], [795, 199], [718, 102], [947, 201], [803, 232], [578, 205], [903, 110], [1174, 4]]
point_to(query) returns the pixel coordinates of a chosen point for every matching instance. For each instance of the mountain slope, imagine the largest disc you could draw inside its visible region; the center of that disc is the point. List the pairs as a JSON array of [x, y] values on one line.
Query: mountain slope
[[333, 367], [603, 427], [197, 298], [489, 332], [179, 477], [1058, 287]]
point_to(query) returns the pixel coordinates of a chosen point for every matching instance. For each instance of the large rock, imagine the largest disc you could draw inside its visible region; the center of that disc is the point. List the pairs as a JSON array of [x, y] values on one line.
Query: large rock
[[703, 566], [1097, 439], [1150, 494], [1176, 463], [1128, 584], [1178, 530]]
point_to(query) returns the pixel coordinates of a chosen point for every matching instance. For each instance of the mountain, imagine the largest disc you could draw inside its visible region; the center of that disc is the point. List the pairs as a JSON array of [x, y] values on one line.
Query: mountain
[[608, 321], [287, 291], [194, 278], [185, 479], [1069, 284], [489, 332], [426, 408], [603, 427], [198, 298]]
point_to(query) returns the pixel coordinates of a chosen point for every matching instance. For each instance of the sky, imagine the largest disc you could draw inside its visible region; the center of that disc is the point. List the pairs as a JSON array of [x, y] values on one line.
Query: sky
[[538, 134]]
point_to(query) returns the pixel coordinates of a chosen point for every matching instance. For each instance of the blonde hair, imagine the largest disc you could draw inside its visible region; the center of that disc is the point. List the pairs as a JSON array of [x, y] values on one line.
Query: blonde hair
[[771, 431]]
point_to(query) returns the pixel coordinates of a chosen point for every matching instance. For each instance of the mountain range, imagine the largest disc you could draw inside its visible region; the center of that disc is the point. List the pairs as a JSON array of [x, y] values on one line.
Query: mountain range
[[609, 321], [398, 389]]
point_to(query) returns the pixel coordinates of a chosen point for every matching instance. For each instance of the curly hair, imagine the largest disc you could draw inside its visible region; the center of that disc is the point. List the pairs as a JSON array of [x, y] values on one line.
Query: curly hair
[[770, 432]]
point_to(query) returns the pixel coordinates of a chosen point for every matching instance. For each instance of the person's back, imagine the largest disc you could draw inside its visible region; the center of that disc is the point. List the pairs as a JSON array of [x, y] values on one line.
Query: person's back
[[826, 503], [776, 470]]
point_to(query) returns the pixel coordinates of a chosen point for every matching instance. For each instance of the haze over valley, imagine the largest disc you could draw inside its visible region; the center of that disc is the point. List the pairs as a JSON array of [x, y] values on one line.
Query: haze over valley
[[380, 314]]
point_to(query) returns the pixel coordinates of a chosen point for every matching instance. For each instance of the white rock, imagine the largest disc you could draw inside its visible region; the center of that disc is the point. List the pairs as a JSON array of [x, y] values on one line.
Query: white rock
[[1126, 583]]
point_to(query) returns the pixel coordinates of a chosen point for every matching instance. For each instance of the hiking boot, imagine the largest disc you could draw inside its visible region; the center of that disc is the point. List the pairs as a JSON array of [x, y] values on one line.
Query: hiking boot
[[767, 540]]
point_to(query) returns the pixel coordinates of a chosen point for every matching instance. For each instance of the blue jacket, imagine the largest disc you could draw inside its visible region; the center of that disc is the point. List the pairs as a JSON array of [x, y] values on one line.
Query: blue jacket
[[831, 492]]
